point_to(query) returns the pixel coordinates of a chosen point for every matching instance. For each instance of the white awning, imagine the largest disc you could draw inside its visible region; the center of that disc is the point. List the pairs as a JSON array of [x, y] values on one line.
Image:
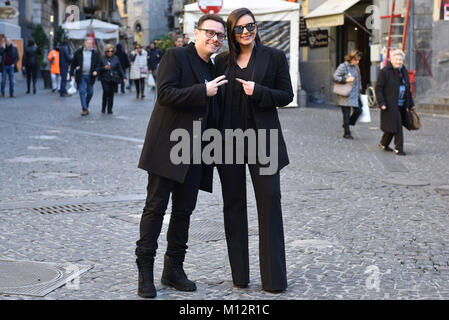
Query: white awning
[[329, 14]]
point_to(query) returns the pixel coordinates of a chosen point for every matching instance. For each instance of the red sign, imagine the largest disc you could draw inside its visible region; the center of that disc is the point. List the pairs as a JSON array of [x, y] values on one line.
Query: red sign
[[210, 6]]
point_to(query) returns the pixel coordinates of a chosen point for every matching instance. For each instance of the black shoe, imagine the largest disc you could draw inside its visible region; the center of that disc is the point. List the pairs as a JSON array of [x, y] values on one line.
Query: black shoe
[[348, 136], [28, 91], [174, 276], [399, 152], [110, 112], [241, 285], [34, 91], [142, 96], [146, 287], [274, 291], [12, 96], [65, 95], [385, 148]]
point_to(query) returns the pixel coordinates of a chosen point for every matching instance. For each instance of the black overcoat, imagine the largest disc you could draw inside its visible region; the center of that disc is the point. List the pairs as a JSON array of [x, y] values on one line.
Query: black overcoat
[[76, 68], [181, 99], [273, 88], [387, 94]]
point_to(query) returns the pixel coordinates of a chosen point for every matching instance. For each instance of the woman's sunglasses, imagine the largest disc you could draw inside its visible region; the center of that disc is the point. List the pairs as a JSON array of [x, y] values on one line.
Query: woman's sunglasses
[[250, 27]]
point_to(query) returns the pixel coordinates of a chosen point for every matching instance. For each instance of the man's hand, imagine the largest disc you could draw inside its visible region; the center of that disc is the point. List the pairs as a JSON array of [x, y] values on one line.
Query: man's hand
[[248, 86], [383, 108], [94, 73], [212, 86]]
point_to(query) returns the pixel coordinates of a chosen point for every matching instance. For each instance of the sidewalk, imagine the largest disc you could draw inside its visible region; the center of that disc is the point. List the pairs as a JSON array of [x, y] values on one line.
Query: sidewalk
[[359, 223]]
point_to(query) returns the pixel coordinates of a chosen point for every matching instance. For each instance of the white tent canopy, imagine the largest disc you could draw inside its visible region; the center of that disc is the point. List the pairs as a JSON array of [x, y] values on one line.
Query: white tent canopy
[[103, 30], [264, 10]]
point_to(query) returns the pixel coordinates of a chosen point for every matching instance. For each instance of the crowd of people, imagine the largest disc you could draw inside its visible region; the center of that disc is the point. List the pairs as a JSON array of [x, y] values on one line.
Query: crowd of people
[[113, 68]]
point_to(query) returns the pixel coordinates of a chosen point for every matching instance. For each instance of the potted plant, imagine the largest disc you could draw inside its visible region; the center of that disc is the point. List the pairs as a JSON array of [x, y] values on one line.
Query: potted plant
[[43, 43]]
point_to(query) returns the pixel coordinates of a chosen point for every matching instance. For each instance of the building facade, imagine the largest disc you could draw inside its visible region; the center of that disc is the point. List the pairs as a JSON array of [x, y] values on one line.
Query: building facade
[[364, 25]]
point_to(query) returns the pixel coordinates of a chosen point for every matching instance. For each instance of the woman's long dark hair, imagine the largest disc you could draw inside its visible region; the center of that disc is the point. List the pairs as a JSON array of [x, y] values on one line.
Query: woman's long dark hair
[[234, 47]]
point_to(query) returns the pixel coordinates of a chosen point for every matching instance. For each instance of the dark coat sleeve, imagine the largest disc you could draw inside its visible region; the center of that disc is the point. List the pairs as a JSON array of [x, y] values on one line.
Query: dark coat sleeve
[[169, 83], [380, 85], [282, 93]]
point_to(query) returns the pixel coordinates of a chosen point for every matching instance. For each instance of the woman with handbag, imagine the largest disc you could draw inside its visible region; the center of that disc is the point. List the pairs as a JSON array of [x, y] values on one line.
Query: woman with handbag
[[111, 74], [347, 88], [139, 69], [394, 98]]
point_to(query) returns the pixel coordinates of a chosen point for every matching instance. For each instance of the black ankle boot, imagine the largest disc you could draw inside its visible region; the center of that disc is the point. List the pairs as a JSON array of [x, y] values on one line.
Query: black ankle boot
[[173, 274], [146, 283]]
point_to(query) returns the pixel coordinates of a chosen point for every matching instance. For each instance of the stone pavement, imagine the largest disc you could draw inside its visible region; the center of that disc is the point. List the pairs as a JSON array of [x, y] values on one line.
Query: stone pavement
[[359, 223]]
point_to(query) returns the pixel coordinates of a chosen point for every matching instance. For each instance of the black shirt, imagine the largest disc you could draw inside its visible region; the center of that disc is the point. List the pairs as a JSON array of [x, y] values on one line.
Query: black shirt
[[237, 113]]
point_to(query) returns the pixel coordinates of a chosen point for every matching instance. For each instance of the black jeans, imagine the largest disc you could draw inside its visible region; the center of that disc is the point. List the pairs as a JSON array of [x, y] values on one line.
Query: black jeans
[[108, 95], [31, 71], [398, 137], [349, 119], [271, 232], [184, 196], [140, 86]]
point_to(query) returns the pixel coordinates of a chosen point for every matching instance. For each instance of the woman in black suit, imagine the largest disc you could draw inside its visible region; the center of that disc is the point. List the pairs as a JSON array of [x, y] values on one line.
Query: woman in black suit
[[111, 74], [258, 82], [394, 97]]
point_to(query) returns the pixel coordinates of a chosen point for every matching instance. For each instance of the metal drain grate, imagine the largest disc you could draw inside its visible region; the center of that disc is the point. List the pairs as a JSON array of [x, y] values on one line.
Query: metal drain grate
[[36, 278], [210, 230], [70, 208]]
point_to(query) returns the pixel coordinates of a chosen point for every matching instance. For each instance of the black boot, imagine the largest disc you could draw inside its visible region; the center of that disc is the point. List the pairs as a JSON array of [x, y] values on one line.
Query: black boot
[[146, 283], [173, 274]]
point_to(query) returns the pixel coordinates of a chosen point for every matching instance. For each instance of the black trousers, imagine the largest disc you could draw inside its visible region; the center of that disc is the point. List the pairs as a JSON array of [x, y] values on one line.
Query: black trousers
[[108, 95], [349, 119], [271, 232], [184, 196], [140, 86], [398, 137], [31, 71]]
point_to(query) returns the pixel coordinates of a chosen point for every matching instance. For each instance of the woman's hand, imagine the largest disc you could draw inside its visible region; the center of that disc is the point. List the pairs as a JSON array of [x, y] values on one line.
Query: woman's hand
[[248, 86], [383, 107], [350, 79]]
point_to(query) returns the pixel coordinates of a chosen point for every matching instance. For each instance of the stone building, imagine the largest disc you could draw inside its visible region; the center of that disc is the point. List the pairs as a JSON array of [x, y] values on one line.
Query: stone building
[[362, 25]]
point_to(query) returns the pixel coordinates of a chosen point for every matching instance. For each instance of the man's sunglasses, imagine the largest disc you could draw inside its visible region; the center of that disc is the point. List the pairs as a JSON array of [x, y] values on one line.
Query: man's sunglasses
[[211, 33], [250, 27]]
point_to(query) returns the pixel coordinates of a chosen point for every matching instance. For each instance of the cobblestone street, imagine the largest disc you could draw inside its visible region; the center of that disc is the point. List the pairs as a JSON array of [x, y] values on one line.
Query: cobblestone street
[[359, 223]]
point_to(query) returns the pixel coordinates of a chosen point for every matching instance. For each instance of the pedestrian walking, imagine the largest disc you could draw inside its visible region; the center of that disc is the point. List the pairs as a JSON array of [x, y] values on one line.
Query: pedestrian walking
[[31, 64], [179, 41], [65, 60], [394, 97], [139, 69], [185, 90], [349, 72], [84, 70], [9, 66], [154, 57], [124, 62], [111, 75], [258, 82], [55, 70]]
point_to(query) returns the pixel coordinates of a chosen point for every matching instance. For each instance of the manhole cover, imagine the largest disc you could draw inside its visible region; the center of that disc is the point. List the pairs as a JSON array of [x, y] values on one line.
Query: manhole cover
[[36, 278], [210, 230], [62, 209]]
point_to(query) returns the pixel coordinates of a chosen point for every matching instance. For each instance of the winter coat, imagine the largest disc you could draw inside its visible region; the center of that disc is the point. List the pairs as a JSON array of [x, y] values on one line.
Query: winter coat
[[387, 94], [30, 57], [122, 56], [340, 76], [138, 61], [77, 65], [115, 73]]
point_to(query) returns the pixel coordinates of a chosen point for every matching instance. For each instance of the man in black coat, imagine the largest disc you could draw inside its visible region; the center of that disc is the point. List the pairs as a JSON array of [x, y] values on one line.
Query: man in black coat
[[9, 66], [185, 94], [65, 60], [84, 69], [31, 64]]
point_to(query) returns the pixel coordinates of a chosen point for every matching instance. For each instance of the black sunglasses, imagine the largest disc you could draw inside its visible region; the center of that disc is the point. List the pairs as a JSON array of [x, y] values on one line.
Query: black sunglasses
[[250, 27], [211, 33]]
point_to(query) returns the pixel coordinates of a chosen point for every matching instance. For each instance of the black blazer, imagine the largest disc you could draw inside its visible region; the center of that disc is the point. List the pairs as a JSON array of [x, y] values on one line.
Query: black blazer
[[115, 73], [273, 88], [387, 94], [77, 65], [181, 99]]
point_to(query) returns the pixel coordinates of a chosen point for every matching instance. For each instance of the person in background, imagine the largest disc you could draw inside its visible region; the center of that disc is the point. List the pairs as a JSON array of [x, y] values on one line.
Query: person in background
[[31, 64], [111, 74], [84, 70], [65, 59], [124, 62], [349, 72], [154, 57], [55, 70], [9, 64], [179, 41], [394, 96], [186, 39], [139, 69]]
